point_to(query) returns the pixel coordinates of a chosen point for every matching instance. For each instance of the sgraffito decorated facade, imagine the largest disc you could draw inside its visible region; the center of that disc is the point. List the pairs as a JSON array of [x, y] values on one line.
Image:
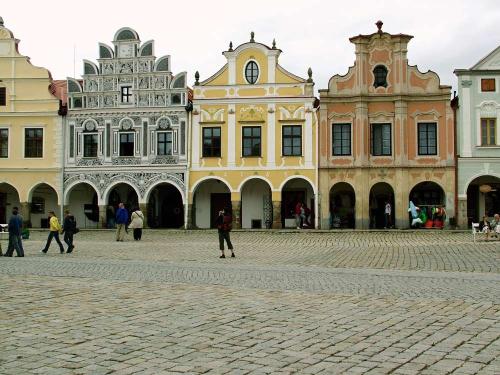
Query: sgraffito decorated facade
[[30, 136], [386, 136], [253, 143], [126, 136]]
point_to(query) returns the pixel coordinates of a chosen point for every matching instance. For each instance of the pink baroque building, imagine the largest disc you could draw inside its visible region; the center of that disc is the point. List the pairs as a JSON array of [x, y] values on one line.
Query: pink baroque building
[[386, 136]]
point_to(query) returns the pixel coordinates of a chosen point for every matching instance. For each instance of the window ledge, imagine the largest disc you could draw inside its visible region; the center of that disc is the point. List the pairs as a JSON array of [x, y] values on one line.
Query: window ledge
[[488, 147]]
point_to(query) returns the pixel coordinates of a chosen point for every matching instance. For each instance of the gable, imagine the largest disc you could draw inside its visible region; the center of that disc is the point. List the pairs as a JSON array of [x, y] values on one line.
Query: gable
[[489, 62]]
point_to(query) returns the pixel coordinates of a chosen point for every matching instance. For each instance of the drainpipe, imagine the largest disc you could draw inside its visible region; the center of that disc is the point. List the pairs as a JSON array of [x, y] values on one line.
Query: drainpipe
[[454, 105], [63, 110], [189, 110], [316, 104]]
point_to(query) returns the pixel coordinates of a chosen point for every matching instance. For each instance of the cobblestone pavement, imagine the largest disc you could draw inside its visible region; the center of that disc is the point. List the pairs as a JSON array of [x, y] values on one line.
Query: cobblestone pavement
[[307, 303]]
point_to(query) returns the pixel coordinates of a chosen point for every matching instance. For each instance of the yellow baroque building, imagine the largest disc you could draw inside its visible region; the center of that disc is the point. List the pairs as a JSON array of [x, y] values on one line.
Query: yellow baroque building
[[253, 142], [30, 136]]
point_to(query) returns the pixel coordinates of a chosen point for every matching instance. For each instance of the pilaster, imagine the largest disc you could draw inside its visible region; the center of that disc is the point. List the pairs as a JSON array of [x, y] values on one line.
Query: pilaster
[[236, 208], [277, 215]]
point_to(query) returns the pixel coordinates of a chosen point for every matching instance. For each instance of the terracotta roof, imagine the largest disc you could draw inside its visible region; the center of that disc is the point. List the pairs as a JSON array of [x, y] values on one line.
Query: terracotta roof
[[59, 88]]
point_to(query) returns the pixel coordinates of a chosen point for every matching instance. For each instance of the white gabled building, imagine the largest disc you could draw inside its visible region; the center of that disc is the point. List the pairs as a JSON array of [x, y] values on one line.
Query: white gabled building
[[126, 136]]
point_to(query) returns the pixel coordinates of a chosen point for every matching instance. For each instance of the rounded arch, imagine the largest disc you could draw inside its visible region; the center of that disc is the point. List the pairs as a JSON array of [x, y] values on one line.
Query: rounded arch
[[198, 183], [297, 177], [163, 122], [69, 188], [105, 51], [107, 191], [10, 185], [127, 123], [90, 124], [38, 184], [126, 33], [476, 176], [342, 205], [381, 194], [90, 68], [160, 182], [147, 48], [179, 81], [162, 64], [435, 194], [249, 178]]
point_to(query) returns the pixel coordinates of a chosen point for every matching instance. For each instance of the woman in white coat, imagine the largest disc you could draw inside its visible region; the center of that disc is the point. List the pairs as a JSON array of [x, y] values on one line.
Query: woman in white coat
[[137, 223]]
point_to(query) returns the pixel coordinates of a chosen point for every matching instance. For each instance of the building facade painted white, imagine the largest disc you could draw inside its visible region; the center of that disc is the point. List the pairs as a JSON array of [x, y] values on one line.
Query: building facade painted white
[[478, 139], [126, 136]]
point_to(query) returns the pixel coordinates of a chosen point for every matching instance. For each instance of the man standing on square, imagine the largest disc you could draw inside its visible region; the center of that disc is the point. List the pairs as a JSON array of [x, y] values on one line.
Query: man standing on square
[[15, 227]]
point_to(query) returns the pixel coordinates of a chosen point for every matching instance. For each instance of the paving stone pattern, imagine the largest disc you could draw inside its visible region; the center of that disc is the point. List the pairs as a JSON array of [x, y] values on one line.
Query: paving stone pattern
[[290, 303]]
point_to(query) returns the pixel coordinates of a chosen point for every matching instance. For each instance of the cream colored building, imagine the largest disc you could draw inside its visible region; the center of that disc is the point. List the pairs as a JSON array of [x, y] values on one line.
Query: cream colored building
[[253, 141], [30, 136]]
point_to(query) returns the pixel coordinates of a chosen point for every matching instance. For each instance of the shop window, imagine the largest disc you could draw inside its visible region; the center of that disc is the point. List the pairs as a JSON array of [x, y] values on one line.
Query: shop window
[[33, 143], [211, 142], [380, 74], [488, 132], [427, 138], [381, 140], [251, 141], [292, 140], [341, 134], [488, 84]]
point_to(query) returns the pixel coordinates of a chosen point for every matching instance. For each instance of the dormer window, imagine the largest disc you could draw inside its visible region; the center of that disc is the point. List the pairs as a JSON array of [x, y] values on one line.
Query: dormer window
[[251, 72], [380, 74]]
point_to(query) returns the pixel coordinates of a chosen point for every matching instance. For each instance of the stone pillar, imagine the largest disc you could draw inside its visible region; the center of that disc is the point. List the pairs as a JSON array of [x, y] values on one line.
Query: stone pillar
[[277, 215], [236, 207], [25, 210], [102, 216], [144, 208], [461, 214]]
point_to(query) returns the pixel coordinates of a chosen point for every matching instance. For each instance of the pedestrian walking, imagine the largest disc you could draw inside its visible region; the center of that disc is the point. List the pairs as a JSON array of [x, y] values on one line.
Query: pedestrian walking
[[69, 230], [15, 228], [388, 215], [54, 230], [224, 224], [137, 223], [298, 218], [121, 222]]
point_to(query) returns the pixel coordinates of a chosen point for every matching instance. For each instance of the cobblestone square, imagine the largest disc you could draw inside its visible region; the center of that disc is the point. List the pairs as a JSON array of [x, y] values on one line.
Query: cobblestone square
[[396, 302]]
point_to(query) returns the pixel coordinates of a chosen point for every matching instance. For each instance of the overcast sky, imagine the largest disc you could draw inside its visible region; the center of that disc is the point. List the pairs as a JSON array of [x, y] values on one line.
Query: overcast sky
[[448, 34]]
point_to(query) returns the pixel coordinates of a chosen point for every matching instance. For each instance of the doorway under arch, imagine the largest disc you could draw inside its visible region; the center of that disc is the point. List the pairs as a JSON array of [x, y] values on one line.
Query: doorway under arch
[[120, 193], [9, 198], [165, 207], [256, 204], [483, 198], [82, 202], [210, 196], [380, 194], [43, 199], [342, 206], [297, 190]]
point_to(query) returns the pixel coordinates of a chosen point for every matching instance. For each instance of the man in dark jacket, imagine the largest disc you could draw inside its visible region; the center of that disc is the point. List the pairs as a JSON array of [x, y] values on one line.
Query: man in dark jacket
[[69, 228], [121, 222], [224, 226], [15, 227]]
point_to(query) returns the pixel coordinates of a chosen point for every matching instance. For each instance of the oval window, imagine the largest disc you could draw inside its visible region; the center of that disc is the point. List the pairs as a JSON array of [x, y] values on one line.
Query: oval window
[[251, 72], [380, 75]]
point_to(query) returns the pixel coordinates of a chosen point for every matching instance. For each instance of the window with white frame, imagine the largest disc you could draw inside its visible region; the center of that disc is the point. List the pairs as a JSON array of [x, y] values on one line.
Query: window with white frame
[[90, 145], [126, 94], [127, 144], [488, 131], [164, 143]]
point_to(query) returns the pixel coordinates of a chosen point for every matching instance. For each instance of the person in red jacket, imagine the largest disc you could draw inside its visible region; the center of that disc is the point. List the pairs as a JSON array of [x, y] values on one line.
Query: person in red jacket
[[224, 225]]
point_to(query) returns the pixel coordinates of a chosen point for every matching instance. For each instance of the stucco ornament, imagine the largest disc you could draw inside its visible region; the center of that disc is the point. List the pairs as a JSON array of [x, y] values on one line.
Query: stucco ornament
[[126, 124]]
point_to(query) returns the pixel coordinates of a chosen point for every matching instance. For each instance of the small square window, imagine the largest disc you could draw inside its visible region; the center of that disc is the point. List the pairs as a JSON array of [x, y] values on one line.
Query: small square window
[[126, 92], [488, 84]]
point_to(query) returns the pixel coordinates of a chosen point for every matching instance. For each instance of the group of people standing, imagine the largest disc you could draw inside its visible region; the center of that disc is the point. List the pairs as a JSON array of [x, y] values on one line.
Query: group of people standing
[[122, 222], [491, 228], [302, 216]]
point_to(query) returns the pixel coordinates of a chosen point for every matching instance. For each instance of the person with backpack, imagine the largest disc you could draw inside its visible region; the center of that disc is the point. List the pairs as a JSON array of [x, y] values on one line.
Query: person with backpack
[[69, 229], [224, 224], [54, 230], [137, 223]]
